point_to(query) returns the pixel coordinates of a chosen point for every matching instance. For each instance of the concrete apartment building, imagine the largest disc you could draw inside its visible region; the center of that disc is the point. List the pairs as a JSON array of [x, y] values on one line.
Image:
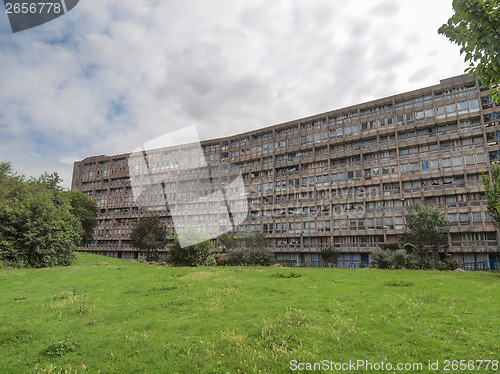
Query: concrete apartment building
[[344, 178]]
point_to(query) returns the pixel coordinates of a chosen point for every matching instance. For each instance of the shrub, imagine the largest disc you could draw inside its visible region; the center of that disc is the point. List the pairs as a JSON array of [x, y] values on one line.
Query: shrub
[[261, 256], [381, 259], [402, 260], [220, 259], [448, 264], [192, 255], [216, 259], [237, 258], [388, 259], [210, 261]]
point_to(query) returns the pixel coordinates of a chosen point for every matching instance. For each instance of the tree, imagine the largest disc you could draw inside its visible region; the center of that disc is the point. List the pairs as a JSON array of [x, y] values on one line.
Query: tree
[[238, 257], [37, 228], [428, 227], [492, 191], [85, 209], [329, 255], [475, 27], [50, 181], [261, 257], [195, 254], [258, 252], [228, 240], [149, 234], [255, 241]]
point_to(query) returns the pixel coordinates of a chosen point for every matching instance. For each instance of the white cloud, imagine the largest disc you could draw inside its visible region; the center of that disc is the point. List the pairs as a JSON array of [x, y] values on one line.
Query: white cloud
[[111, 75]]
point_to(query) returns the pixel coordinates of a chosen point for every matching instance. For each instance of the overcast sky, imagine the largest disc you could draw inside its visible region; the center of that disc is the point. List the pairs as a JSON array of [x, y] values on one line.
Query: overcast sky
[[110, 75]]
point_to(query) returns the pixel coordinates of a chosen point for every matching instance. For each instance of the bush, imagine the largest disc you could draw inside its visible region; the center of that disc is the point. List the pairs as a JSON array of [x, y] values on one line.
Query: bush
[[381, 259], [210, 261], [237, 258], [256, 257], [261, 256], [402, 260], [388, 259], [216, 259], [220, 259], [195, 254], [448, 263]]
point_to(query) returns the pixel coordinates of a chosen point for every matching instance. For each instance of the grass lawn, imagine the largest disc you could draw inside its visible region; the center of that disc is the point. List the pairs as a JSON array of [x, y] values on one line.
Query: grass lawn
[[115, 316]]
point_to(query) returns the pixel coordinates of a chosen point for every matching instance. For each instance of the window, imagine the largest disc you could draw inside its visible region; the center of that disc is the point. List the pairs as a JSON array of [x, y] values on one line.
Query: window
[[440, 112], [435, 165], [446, 164], [474, 105], [451, 110], [457, 163], [464, 218], [481, 158], [462, 107], [477, 217], [469, 160]]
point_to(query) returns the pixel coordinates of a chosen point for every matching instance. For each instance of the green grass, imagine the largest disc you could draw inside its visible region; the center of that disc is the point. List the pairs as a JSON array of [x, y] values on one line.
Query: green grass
[[114, 316]]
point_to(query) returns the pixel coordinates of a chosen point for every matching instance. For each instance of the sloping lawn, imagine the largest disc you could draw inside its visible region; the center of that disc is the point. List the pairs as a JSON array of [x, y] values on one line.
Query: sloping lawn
[[114, 316]]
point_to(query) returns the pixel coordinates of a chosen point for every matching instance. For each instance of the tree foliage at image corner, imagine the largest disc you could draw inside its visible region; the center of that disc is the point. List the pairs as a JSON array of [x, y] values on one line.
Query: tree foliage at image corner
[[38, 227], [475, 27]]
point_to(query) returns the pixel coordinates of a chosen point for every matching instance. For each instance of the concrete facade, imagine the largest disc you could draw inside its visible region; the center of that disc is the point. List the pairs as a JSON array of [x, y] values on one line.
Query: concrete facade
[[344, 178]]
